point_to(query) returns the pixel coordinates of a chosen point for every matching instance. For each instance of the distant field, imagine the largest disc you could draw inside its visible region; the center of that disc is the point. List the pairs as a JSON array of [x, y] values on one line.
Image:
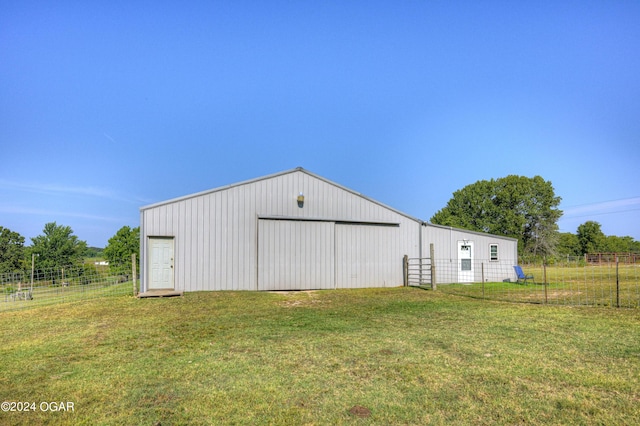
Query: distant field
[[584, 285], [372, 356]]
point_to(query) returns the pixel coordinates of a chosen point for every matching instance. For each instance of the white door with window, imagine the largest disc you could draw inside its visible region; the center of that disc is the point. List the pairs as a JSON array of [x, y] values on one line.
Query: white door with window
[[465, 261], [161, 263]]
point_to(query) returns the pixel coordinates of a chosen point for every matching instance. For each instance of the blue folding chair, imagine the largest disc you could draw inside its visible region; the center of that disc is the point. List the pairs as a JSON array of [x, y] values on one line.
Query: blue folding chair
[[521, 275]]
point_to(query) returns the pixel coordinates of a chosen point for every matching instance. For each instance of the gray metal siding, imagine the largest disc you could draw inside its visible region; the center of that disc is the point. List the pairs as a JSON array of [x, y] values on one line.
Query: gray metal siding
[[445, 242], [216, 232], [368, 256], [218, 237], [295, 255]]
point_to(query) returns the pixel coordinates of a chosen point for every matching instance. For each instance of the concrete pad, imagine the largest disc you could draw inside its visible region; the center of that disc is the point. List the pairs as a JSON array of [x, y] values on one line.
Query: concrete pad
[[160, 293]]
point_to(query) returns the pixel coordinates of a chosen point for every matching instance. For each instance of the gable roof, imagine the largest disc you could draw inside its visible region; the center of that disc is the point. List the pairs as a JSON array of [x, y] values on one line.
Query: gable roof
[[344, 188], [271, 176]]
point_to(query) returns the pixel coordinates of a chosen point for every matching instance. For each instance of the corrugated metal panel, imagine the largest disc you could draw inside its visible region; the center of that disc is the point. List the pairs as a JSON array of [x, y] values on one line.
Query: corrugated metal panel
[[445, 242], [308, 180], [295, 255], [216, 232], [367, 256]]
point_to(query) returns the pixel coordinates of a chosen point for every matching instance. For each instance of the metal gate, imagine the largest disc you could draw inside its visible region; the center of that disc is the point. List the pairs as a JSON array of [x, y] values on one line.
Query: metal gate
[[419, 272]]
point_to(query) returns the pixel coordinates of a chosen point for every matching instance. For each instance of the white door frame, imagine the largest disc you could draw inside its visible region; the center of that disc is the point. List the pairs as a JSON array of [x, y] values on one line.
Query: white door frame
[[160, 265], [465, 261]]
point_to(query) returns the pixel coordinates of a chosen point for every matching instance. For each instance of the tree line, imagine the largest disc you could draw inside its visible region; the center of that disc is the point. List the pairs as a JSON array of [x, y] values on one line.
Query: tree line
[[58, 247], [514, 206], [526, 209]]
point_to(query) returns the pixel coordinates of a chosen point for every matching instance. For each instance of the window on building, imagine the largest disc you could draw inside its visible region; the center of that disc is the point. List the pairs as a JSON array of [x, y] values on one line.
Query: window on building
[[465, 264], [493, 252]]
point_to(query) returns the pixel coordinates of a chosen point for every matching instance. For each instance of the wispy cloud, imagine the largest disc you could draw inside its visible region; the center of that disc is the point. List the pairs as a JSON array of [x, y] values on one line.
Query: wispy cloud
[[69, 190], [601, 208], [41, 212], [110, 138]]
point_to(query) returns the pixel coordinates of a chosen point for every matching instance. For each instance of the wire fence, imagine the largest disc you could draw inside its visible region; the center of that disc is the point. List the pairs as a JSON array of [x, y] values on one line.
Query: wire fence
[[27, 289], [569, 281]]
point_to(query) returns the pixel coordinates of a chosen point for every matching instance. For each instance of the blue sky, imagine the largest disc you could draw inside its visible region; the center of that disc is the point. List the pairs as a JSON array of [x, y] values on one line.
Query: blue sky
[[109, 106]]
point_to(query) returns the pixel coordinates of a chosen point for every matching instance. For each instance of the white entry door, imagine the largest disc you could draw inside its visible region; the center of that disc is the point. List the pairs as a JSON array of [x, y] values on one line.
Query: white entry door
[[161, 263], [465, 261]]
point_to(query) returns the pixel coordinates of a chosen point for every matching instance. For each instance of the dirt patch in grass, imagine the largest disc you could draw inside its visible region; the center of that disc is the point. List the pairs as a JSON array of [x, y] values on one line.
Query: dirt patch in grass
[[555, 294], [360, 411], [297, 299]]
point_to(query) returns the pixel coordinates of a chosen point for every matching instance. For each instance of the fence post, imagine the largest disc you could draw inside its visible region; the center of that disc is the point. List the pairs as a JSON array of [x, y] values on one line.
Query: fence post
[[544, 280], [433, 267], [33, 264], [482, 267], [617, 285], [405, 270], [133, 272]]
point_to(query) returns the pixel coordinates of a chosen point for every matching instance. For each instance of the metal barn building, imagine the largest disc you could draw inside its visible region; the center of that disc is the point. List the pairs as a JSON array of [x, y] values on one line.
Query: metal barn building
[[295, 230]]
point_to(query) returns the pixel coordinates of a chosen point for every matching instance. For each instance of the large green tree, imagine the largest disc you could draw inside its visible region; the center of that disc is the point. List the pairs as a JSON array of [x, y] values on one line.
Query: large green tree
[[568, 244], [591, 238], [11, 250], [121, 246], [58, 247], [616, 244], [513, 206]]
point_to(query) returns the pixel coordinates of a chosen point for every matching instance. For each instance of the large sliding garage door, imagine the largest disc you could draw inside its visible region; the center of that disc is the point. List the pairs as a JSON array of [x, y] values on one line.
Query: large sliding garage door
[[366, 256], [295, 255]]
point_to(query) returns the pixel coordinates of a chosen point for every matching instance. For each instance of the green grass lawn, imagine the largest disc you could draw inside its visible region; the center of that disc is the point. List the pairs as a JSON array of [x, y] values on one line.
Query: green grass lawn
[[584, 285], [374, 356]]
